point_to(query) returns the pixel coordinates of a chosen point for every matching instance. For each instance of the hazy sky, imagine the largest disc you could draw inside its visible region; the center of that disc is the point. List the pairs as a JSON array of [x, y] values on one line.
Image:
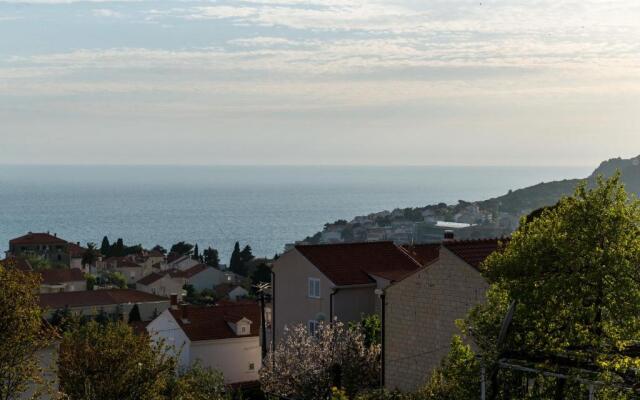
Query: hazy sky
[[529, 82]]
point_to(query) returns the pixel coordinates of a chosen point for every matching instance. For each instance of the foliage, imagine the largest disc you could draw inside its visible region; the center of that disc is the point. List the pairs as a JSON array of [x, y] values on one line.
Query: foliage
[[111, 362], [38, 262], [206, 296], [134, 314], [160, 249], [105, 246], [371, 328], [182, 248], [198, 383], [306, 367], [240, 259], [118, 249], [573, 274], [210, 257], [90, 256], [91, 281], [458, 376], [261, 274], [21, 331], [115, 278]]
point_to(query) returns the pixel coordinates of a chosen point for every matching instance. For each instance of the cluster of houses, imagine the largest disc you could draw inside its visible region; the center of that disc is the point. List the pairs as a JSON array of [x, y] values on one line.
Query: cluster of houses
[[418, 225], [419, 291]]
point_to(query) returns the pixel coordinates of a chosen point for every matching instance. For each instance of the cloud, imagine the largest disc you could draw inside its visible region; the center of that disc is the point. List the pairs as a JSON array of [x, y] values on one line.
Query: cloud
[[105, 12]]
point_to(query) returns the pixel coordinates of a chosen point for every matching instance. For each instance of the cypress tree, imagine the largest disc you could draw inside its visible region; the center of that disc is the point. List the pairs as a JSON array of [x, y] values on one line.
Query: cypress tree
[[105, 247], [235, 264]]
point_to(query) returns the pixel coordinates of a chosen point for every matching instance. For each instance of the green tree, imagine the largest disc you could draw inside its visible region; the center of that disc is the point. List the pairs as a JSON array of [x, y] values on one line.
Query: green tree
[[196, 252], [105, 247], [198, 383], [235, 263], [91, 281], [371, 328], [111, 362], [160, 249], [90, 256], [261, 274], [134, 314], [211, 257], [572, 273], [182, 248], [457, 378], [21, 332]]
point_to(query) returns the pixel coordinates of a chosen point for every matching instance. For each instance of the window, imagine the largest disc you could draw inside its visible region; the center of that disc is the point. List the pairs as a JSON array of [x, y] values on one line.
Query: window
[[313, 327], [243, 330], [314, 288], [252, 366]]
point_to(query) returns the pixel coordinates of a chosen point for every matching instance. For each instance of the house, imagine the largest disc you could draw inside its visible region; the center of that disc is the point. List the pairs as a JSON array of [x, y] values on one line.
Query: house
[[422, 307], [314, 283], [225, 337], [202, 276], [62, 280], [131, 270], [230, 292], [164, 283], [111, 301], [50, 247], [181, 262]]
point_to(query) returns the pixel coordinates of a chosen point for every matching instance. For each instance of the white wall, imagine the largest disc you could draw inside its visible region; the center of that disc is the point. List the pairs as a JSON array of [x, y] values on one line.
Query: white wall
[[204, 280], [230, 356], [165, 327]]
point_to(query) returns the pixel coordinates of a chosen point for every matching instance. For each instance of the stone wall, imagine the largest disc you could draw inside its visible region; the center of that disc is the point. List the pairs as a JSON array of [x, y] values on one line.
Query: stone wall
[[421, 311]]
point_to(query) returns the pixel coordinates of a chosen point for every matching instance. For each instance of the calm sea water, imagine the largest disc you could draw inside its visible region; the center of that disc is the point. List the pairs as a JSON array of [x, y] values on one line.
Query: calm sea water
[[265, 207]]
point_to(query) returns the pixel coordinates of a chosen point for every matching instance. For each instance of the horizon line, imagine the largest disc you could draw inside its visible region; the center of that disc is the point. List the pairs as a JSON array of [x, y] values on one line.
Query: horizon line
[[303, 165]]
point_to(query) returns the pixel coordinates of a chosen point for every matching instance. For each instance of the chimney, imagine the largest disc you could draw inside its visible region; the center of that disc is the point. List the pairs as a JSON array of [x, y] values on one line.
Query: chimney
[[174, 301], [449, 236], [185, 314], [78, 243]]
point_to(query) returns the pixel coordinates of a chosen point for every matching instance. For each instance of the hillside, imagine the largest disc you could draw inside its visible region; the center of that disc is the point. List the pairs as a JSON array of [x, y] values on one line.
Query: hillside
[[544, 194], [495, 217]]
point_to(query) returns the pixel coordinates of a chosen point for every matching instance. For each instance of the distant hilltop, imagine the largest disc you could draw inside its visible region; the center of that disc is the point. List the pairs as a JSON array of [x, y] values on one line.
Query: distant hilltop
[[494, 217]]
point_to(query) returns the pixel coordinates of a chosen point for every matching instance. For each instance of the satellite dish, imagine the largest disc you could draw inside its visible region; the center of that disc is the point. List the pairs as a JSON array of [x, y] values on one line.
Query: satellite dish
[[506, 322]]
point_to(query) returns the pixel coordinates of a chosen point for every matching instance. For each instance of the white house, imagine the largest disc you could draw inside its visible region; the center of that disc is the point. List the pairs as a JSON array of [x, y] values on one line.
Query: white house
[[202, 276], [230, 292], [225, 337], [163, 283], [182, 262]]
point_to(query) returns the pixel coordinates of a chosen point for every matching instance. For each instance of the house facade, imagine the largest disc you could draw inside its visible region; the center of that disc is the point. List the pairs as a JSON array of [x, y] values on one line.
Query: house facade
[[45, 245], [315, 283], [225, 337], [162, 284], [422, 308]]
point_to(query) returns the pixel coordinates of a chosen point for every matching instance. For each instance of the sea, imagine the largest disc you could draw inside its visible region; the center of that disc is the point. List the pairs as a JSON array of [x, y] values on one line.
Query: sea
[[265, 207]]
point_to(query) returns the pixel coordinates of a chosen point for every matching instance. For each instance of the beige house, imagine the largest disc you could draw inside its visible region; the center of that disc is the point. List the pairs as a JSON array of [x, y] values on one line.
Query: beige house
[[314, 283], [422, 308]]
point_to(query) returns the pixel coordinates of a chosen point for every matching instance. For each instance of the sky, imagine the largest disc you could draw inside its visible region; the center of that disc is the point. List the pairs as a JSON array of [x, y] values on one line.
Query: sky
[[329, 82]]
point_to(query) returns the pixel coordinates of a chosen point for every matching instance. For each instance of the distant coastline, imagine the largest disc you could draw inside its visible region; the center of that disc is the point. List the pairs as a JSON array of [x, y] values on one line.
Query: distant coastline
[[265, 207]]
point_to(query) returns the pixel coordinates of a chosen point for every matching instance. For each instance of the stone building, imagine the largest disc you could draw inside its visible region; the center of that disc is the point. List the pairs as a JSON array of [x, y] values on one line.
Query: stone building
[[422, 308]]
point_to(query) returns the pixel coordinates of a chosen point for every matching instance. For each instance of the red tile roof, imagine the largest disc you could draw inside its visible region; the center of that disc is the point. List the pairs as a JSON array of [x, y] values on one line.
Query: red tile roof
[[16, 262], [127, 264], [149, 279], [195, 270], [75, 250], [89, 298], [425, 253], [33, 238], [474, 252], [57, 276], [210, 322], [354, 263]]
